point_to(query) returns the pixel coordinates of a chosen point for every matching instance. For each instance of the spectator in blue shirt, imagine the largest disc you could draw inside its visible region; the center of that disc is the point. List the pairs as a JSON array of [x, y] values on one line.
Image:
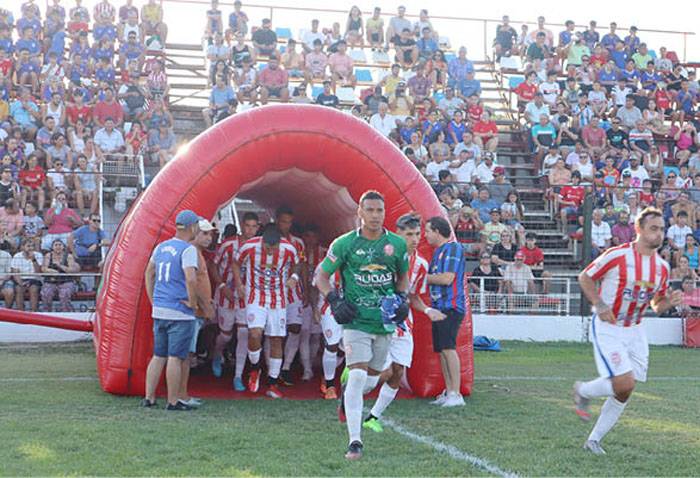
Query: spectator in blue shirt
[[457, 69], [470, 86], [6, 39], [426, 44], [88, 241], [30, 43], [610, 39], [221, 95], [483, 204], [632, 41], [447, 295]]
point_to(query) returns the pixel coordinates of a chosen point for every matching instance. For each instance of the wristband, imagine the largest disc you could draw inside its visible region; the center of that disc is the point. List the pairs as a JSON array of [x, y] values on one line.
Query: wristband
[[295, 276], [222, 285], [427, 310]]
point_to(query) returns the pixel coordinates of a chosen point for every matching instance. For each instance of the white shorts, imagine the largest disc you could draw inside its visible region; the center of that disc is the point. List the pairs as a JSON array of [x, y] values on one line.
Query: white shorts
[[400, 351], [332, 332], [239, 312], [274, 321], [619, 350], [308, 322], [226, 318], [294, 313]]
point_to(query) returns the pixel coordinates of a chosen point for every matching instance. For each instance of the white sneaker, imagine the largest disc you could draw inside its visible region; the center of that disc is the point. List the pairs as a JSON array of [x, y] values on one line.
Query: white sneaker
[[193, 402], [440, 399], [453, 400]]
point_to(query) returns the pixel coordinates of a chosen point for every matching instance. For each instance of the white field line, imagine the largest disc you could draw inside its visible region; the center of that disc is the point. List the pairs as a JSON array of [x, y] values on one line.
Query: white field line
[[450, 450], [48, 379], [521, 378]]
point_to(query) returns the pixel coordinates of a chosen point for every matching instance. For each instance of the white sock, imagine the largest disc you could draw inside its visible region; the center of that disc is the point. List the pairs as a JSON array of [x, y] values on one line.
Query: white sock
[[241, 350], [275, 365], [329, 361], [372, 381], [254, 356], [221, 340], [290, 350], [609, 415], [354, 402], [600, 387], [386, 396], [304, 350]]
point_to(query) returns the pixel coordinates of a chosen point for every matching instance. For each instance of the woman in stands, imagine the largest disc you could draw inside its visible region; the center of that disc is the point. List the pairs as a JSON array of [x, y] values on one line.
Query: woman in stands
[[436, 69], [136, 139], [654, 163], [683, 269], [354, 28], [59, 263], [654, 118]]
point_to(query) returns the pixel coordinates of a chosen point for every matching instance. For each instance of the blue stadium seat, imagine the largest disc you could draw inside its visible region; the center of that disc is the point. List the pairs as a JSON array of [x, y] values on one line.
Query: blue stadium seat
[[283, 33], [652, 54], [315, 91], [449, 57], [363, 74], [438, 95], [514, 81]]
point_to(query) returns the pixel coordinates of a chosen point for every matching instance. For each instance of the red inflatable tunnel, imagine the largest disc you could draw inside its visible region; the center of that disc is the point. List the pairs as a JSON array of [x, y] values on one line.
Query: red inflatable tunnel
[[316, 159]]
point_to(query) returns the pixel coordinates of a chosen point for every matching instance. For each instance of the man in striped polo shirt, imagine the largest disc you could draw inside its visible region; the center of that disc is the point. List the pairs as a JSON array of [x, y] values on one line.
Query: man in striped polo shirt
[[446, 282]]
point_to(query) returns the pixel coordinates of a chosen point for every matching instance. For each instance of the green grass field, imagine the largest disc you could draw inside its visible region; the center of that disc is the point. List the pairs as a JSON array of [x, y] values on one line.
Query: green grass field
[[55, 420]]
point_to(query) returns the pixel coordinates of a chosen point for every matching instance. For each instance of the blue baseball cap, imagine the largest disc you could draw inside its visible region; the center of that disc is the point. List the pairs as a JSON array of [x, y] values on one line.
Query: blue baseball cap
[[186, 218]]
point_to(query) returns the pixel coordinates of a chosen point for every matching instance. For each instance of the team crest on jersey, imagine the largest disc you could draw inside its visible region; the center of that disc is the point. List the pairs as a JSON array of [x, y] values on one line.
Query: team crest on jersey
[[389, 250], [616, 358], [331, 257]]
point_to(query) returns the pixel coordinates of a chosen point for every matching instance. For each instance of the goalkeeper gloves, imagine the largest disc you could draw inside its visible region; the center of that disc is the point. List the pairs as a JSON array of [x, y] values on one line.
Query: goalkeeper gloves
[[343, 311]]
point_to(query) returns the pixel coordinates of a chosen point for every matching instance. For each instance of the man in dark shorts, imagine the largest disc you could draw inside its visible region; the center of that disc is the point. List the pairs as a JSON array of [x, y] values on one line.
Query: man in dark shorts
[[446, 282]]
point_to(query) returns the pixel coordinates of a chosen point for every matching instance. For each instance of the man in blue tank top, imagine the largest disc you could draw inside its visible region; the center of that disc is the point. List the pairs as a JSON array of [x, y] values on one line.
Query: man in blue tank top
[[171, 285]]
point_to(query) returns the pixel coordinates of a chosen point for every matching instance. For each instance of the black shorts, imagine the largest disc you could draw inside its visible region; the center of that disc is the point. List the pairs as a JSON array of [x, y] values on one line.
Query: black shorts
[[445, 331]]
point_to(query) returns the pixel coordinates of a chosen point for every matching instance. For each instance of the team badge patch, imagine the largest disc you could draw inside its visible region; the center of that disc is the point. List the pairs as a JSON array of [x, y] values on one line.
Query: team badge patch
[[389, 250], [615, 358]]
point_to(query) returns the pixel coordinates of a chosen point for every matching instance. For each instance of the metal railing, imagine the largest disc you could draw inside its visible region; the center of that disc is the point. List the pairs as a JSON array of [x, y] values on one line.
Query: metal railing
[[556, 301]]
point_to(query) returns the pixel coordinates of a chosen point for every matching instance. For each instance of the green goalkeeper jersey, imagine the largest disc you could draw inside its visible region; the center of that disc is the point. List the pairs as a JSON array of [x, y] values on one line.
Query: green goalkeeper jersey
[[369, 271]]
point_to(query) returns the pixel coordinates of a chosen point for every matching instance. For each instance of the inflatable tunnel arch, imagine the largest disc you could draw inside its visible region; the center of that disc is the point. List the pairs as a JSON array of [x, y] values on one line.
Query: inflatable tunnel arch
[[316, 159]]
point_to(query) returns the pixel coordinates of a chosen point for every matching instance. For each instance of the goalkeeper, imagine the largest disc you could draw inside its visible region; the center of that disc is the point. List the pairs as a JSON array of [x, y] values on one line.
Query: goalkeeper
[[373, 265]]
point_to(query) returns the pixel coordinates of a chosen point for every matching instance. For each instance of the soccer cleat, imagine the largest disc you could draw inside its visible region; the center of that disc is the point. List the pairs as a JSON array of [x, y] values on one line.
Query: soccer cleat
[[373, 424], [146, 403], [323, 387], [453, 400], [354, 451], [344, 376], [178, 407], [286, 378], [330, 394], [254, 381], [238, 384], [440, 399], [274, 392], [581, 403], [193, 402], [594, 447], [216, 368]]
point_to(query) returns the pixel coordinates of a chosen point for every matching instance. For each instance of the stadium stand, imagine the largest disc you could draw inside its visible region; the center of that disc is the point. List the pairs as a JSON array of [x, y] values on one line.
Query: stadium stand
[[111, 87]]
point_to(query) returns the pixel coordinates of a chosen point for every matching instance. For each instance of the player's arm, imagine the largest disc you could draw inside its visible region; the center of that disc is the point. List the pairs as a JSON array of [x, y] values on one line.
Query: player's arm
[[190, 263], [663, 302], [588, 287], [236, 269], [150, 278], [343, 310]]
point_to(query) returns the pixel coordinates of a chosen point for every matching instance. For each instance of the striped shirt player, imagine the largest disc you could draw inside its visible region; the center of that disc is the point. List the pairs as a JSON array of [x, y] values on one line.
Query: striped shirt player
[[228, 312], [630, 278], [265, 278], [332, 333], [314, 255], [295, 296]]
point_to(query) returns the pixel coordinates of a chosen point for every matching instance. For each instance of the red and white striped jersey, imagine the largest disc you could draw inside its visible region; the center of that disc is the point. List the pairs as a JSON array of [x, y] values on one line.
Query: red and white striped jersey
[[266, 273], [323, 305], [296, 294], [225, 256], [314, 256], [629, 280], [418, 277]]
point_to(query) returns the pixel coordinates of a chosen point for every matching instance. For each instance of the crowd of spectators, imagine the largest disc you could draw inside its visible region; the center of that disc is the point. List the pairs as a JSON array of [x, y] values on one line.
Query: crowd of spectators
[[607, 114], [77, 88]]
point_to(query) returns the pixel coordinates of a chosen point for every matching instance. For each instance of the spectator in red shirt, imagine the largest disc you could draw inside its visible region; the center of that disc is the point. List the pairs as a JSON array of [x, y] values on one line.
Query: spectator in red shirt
[[526, 90], [273, 81], [31, 180], [486, 133], [78, 110], [60, 221], [594, 136], [570, 199], [468, 229], [108, 108], [534, 257]]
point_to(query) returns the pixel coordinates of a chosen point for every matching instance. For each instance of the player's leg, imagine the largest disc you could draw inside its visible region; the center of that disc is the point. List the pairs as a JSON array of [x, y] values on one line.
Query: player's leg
[[400, 356], [256, 317], [157, 363], [241, 349], [275, 329], [358, 350], [185, 397], [179, 339], [304, 343], [227, 319], [291, 347], [332, 333]]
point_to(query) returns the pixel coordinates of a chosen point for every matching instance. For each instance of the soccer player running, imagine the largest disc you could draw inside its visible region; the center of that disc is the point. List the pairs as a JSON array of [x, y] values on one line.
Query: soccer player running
[[631, 276], [270, 263], [373, 265], [230, 309], [171, 285], [408, 227]]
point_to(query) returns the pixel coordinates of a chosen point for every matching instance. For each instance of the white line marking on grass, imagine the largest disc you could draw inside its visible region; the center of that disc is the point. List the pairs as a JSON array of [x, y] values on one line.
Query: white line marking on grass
[[567, 379], [49, 379], [450, 450]]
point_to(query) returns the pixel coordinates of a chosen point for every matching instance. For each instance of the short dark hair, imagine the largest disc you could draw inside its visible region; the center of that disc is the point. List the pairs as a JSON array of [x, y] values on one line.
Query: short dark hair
[[271, 235], [371, 194], [410, 220], [282, 210], [230, 230], [250, 216], [440, 224], [444, 174]]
